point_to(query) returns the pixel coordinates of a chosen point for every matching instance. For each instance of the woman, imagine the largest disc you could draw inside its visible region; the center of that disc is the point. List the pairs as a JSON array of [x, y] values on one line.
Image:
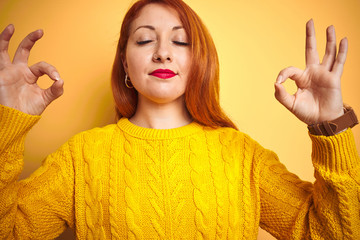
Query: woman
[[175, 166]]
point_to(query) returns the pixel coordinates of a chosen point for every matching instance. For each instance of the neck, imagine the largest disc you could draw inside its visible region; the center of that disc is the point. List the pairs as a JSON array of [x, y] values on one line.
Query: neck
[[161, 115]]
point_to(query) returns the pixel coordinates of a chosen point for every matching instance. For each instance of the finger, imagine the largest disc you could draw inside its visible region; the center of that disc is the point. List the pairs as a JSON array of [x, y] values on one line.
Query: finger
[[341, 57], [283, 96], [54, 91], [330, 52], [290, 72], [311, 54], [5, 37], [23, 51], [42, 68]]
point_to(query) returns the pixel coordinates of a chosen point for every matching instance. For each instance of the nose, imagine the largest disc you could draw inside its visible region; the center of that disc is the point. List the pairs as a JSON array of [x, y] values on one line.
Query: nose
[[162, 52]]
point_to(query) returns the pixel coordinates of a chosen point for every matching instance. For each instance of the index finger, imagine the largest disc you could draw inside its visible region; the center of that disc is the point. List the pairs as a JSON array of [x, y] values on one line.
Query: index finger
[[311, 54], [5, 37], [23, 51]]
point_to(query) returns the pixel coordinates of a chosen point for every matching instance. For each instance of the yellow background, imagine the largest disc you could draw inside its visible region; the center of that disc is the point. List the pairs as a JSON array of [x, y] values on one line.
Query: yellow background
[[255, 40]]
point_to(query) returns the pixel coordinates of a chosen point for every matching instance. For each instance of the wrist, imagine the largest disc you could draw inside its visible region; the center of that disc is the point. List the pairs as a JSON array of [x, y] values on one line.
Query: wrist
[[340, 124]]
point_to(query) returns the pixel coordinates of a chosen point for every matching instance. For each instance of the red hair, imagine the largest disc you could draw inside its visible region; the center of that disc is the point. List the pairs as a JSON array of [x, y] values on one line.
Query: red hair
[[202, 91]]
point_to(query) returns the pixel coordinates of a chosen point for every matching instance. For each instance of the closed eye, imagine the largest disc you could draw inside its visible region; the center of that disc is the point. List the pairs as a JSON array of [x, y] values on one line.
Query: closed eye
[[181, 43], [143, 42]]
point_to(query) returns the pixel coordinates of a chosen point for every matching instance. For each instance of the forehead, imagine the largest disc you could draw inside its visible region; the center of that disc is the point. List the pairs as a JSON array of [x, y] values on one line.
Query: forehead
[[158, 16]]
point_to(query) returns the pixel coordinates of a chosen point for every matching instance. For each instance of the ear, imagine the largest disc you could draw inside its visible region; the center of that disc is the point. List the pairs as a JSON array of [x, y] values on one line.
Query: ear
[[124, 63]]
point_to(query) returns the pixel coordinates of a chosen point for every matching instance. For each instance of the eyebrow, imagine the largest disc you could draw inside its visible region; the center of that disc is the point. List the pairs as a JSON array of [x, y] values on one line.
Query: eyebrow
[[153, 28]]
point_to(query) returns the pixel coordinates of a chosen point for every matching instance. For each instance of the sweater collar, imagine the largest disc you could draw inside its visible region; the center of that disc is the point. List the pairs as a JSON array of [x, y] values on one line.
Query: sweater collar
[[149, 133]]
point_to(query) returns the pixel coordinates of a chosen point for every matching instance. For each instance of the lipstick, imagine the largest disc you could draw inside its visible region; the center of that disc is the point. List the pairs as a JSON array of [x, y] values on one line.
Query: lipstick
[[163, 73]]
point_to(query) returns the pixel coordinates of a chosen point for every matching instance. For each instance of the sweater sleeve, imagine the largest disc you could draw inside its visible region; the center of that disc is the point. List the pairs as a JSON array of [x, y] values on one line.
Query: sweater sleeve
[[40, 206], [327, 209]]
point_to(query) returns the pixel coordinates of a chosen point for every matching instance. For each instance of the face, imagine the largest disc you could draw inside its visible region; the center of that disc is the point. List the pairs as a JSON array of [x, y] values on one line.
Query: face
[[157, 57]]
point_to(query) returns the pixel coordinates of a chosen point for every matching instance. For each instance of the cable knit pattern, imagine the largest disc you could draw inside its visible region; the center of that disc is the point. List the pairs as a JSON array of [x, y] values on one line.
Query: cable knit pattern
[[193, 182], [250, 165], [345, 212], [229, 143], [93, 188], [217, 173], [173, 185], [132, 195], [201, 203], [157, 198], [113, 190], [246, 229]]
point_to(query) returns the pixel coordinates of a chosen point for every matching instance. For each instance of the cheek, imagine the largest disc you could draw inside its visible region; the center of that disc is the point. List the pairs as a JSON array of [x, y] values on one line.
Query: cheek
[[185, 61], [132, 63], [136, 61], [185, 65]]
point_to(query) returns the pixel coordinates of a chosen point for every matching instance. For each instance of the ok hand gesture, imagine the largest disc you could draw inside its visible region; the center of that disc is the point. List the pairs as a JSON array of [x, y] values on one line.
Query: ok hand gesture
[[318, 97], [18, 81]]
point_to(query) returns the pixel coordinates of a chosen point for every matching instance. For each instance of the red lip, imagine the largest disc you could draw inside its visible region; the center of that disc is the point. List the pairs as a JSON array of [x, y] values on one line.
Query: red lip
[[163, 73]]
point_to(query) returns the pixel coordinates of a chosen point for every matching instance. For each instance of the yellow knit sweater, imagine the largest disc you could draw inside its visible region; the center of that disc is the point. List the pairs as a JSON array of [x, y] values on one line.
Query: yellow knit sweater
[[127, 182]]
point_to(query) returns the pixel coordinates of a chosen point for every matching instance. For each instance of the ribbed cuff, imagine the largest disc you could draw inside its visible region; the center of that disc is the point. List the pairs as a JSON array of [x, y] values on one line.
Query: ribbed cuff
[[335, 153], [14, 125]]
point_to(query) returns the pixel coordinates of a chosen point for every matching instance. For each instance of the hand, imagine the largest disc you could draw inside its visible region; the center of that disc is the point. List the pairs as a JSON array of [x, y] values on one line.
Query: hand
[[18, 82], [318, 97]]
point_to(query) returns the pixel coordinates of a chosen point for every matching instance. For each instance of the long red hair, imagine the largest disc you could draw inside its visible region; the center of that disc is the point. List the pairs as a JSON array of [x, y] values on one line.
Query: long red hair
[[202, 91]]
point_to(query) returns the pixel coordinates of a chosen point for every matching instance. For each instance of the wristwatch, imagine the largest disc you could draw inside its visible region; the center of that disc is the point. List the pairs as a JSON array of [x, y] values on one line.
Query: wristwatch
[[329, 128]]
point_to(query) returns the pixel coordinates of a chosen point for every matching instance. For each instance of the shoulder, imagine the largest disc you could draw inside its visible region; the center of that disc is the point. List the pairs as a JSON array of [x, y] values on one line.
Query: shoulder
[[94, 135], [236, 138], [226, 133]]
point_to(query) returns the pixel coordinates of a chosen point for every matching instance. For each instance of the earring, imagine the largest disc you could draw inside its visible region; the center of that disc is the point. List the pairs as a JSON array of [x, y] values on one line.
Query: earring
[[126, 82]]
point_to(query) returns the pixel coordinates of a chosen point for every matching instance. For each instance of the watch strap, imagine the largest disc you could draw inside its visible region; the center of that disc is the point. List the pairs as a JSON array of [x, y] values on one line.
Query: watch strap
[[329, 128]]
